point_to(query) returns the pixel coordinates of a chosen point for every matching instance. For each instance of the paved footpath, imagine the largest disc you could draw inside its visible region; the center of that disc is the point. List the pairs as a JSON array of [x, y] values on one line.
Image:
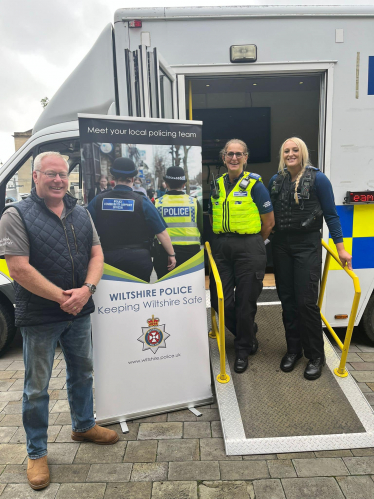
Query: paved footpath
[[172, 456]]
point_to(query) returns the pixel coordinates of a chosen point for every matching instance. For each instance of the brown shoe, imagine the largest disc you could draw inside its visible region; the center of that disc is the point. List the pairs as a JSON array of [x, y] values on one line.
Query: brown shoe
[[97, 435], [38, 473]]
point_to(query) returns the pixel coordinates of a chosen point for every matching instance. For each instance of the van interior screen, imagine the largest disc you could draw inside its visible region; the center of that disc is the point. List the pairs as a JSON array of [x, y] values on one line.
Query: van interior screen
[[251, 124]]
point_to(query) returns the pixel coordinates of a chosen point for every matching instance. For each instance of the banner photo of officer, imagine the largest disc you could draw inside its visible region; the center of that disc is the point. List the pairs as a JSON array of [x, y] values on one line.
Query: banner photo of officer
[[145, 195], [141, 183]]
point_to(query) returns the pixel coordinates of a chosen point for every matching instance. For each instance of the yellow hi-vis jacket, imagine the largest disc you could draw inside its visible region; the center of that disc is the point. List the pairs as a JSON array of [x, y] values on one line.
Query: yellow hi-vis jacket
[[180, 214], [236, 212]]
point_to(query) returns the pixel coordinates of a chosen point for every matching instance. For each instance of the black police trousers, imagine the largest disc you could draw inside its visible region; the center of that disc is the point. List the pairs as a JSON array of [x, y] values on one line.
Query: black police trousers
[[297, 259], [183, 252], [241, 263], [136, 262]]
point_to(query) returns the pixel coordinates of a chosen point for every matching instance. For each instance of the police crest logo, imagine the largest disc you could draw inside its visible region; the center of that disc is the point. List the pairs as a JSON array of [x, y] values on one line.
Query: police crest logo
[[153, 337]]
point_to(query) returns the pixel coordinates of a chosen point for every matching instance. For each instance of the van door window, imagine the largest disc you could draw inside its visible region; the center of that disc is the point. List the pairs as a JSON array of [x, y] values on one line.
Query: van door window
[[20, 183]]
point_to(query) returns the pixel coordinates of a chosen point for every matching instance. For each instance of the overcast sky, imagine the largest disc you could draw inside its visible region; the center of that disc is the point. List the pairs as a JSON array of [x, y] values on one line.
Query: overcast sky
[[42, 41]]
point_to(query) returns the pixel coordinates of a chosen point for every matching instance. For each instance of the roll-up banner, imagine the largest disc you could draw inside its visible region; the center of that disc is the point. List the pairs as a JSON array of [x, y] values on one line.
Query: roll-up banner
[[150, 339]]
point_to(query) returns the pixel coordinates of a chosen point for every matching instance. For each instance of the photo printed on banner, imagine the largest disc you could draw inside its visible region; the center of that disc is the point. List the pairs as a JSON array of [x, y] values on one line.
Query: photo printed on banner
[[153, 147]]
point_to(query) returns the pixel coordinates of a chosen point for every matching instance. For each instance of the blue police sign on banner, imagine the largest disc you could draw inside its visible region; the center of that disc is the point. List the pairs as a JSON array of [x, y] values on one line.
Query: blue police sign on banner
[[176, 211], [118, 204]]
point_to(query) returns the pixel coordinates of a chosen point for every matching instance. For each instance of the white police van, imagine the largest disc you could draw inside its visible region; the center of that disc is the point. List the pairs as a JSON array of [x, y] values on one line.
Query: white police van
[[259, 73]]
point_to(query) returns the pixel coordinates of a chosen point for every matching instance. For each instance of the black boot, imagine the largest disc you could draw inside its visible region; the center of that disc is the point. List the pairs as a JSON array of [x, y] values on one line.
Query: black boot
[[241, 364], [289, 361], [314, 367], [255, 340]]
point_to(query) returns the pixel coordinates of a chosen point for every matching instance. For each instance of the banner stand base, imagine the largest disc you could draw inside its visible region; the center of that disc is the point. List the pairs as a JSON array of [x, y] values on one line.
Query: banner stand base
[[124, 427], [154, 412]]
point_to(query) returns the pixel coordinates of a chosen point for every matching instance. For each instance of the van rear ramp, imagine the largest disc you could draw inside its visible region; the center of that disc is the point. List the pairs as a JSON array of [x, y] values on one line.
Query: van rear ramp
[[265, 410]]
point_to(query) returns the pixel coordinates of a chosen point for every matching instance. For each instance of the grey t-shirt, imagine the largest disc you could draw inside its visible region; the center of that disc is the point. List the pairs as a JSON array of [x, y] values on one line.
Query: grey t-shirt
[[13, 235]]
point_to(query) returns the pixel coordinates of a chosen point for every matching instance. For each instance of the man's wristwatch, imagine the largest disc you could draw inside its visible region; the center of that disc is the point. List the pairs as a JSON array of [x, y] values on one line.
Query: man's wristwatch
[[172, 255], [91, 287]]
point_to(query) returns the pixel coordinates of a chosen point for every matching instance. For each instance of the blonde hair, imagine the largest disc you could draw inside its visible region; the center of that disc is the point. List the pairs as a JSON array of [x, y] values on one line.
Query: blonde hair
[[305, 161], [235, 141]]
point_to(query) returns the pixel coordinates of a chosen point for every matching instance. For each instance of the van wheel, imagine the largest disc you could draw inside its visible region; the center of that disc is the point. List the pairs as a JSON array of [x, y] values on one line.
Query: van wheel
[[7, 327], [367, 320]]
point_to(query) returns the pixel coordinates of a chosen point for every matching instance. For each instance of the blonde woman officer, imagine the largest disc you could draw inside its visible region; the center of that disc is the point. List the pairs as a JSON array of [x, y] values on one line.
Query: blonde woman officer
[[302, 195], [242, 218]]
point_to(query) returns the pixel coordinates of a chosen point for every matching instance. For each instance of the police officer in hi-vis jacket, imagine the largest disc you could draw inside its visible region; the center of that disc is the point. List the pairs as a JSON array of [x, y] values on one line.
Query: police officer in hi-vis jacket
[[183, 216], [242, 218]]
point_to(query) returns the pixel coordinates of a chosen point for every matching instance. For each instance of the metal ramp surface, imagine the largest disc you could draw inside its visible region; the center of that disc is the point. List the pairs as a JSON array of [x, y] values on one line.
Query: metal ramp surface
[[266, 411]]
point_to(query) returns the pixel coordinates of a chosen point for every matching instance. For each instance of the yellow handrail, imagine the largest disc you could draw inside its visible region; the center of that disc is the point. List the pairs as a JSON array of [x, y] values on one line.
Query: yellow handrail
[[222, 376], [341, 370]]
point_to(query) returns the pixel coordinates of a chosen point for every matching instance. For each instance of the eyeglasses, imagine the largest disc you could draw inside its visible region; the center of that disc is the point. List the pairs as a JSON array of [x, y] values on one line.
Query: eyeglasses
[[62, 175], [232, 154]]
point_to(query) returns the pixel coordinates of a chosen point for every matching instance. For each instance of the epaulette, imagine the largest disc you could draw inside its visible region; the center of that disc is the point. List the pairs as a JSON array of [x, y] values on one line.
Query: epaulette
[[254, 176]]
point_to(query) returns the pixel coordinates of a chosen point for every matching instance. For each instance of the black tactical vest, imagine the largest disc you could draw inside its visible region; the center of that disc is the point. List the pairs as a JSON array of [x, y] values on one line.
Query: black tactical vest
[[120, 220], [290, 216], [60, 250]]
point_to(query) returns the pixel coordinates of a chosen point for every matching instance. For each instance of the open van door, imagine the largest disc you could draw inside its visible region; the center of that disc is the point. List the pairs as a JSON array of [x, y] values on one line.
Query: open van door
[[151, 84]]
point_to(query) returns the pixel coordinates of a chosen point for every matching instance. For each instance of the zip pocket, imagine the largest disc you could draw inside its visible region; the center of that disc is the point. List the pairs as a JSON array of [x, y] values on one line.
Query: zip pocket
[[75, 239]]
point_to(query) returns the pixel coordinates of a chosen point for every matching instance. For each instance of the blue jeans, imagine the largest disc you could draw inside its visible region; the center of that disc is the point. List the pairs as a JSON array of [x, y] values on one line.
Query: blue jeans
[[39, 345]]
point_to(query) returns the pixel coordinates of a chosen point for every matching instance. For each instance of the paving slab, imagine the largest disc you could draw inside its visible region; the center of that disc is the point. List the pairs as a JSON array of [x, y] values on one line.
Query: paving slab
[[130, 490], [61, 406], [69, 473], [367, 357], [281, 468], [370, 398], [14, 473], [359, 465], [64, 434], [62, 418], [356, 487], [174, 490], [312, 488], [333, 453], [114, 472], [149, 472], [363, 376], [6, 433], [19, 374], [11, 420], [178, 450], [24, 491], [226, 490], [260, 457], [4, 364], [58, 394], [152, 431], [91, 453], [131, 435], [2, 487], [10, 396], [268, 489], [12, 407], [213, 449], [3, 404], [243, 470], [62, 453], [182, 416], [194, 470], [216, 429], [369, 451], [325, 466], [365, 387], [7, 374], [141, 451], [16, 365], [12, 453], [81, 491], [209, 415], [197, 430], [296, 455], [20, 436], [6, 384]]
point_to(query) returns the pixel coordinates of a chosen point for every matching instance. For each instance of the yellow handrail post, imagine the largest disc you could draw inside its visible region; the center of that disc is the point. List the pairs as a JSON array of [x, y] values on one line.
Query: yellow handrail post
[[222, 377], [341, 370], [190, 100]]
